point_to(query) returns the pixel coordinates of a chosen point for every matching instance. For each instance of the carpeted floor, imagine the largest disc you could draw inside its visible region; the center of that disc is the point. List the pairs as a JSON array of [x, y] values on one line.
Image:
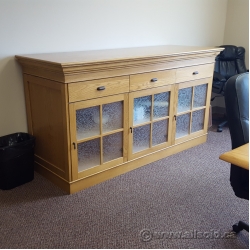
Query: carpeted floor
[[183, 201]]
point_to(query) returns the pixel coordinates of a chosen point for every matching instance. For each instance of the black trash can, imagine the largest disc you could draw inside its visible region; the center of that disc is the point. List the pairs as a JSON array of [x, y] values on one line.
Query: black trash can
[[16, 160]]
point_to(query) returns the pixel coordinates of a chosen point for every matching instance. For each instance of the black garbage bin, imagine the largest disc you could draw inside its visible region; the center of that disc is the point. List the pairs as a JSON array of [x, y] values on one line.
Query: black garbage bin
[[16, 160]]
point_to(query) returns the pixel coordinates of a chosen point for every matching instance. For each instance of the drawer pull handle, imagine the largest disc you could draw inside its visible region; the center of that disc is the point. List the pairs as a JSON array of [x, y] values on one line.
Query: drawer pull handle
[[101, 88], [195, 73], [154, 80]]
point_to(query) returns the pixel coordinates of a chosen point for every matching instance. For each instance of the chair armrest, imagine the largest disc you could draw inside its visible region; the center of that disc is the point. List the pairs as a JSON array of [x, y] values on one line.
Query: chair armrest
[[218, 77]]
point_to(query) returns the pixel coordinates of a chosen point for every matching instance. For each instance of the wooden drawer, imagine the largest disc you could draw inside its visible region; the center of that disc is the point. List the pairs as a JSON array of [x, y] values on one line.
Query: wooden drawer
[[97, 88], [194, 72], [152, 79]]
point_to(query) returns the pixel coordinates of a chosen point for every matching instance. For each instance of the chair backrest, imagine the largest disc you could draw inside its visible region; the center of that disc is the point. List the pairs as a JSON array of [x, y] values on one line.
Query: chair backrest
[[231, 61], [236, 93]]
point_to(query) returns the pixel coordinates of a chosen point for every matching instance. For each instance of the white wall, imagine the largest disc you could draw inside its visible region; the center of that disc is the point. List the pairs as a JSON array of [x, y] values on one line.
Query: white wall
[[28, 26]]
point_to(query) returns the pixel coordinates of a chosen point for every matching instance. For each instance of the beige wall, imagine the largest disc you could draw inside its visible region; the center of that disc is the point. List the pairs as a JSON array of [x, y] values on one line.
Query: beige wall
[[237, 25], [236, 32], [39, 26]]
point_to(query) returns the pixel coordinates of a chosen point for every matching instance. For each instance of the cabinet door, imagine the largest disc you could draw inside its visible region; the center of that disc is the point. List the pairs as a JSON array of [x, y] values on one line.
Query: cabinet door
[[98, 139], [150, 120], [192, 109]]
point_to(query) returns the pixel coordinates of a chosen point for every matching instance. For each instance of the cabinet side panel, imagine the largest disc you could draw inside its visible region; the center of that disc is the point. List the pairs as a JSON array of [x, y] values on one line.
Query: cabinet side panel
[[49, 121]]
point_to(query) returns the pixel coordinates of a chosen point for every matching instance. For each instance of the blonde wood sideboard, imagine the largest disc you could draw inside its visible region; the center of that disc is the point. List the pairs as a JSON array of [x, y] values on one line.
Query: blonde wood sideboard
[[99, 114]]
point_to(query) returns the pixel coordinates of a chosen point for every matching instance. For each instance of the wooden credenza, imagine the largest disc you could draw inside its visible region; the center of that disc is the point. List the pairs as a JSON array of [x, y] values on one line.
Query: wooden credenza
[[99, 114]]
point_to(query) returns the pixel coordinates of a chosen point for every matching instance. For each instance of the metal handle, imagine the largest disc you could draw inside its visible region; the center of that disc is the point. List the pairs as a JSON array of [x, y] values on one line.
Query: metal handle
[[154, 80], [131, 130], [175, 117], [101, 88], [74, 145], [195, 73]]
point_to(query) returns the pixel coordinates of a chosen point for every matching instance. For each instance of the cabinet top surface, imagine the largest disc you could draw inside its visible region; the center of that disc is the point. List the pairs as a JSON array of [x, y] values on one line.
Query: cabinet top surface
[[93, 56]]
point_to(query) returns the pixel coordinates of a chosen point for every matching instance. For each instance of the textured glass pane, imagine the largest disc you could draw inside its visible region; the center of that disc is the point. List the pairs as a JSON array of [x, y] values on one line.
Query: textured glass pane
[[88, 154], [184, 99], [87, 122], [182, 125], [200, 93], [198, 120], [112, 146], [141, 137], [112, 116], [160, 132], [161, 104], [142, 109]]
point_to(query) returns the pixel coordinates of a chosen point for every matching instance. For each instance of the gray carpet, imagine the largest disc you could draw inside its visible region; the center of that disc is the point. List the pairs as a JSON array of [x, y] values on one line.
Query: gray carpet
[[183, 201]]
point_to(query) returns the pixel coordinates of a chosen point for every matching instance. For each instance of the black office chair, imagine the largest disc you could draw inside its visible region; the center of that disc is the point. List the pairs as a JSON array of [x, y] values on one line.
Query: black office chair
[[230, 62], [236, 93]]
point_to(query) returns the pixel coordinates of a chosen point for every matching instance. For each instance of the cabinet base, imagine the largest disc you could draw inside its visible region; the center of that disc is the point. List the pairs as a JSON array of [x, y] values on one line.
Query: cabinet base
[[75, 186]]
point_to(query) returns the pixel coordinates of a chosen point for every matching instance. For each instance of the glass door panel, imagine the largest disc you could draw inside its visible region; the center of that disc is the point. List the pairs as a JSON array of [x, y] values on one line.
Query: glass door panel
[[182, 125], [161, 105], [191, 108], [88, 154], [184, 99], [97, 134], [112, 146], [160, 132], [87, 122], [112, 116], [142, 109], [198, 120], [200, 94], [149, 121], [141, 138]]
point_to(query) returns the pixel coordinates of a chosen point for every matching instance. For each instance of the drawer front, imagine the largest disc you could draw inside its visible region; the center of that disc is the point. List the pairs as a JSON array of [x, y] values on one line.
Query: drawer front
[[152, 79], [97, 88], [194, 72]]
